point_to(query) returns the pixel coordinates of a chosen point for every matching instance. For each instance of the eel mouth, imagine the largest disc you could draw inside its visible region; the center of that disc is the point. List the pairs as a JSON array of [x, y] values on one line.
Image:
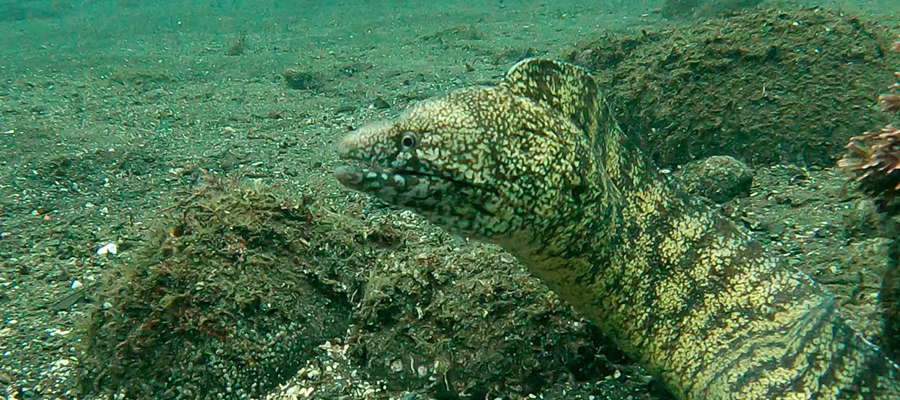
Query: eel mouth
[[366, 178], [415, 190], [400, 188]]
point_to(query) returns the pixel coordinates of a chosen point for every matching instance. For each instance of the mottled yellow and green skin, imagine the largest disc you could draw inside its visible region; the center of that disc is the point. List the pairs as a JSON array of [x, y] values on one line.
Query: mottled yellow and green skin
[[538, 165]]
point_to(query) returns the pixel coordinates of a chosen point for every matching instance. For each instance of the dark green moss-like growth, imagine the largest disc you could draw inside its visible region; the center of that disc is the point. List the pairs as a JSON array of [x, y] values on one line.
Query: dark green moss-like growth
[[226, 297], [762, 85]]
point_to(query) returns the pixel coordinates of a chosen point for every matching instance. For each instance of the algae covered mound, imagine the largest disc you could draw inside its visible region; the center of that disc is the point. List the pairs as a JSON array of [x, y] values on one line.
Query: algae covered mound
[[226, 297], [762, 85]]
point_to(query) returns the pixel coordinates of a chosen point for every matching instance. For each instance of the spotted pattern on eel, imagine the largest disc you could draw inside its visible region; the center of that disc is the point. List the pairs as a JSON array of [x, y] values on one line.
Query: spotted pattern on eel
[[538, 165]]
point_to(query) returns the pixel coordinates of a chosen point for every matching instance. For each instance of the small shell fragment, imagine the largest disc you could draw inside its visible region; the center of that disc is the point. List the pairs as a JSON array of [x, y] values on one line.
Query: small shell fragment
[[110, 248]]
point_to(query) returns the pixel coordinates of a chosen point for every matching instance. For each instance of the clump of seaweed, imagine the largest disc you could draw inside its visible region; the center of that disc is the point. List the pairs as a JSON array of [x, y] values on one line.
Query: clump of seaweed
[[874, 157], [227, 296]]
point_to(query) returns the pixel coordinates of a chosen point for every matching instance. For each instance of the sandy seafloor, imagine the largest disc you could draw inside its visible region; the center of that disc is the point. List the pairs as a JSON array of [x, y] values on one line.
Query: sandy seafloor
[[103, 105]]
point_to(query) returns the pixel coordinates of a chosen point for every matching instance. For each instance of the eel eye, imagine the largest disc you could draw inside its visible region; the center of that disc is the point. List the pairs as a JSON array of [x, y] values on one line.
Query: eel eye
[[409, 140]]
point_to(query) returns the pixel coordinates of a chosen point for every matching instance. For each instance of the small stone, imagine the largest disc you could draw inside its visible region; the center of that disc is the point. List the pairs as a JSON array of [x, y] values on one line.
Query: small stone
[[718, 178], [76, 284], [61, 363], [300, 80], [56, 332], [345, 108], [381, 103]]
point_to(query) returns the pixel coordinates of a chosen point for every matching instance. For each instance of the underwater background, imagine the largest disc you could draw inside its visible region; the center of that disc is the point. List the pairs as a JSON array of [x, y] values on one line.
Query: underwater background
[[170, 229]]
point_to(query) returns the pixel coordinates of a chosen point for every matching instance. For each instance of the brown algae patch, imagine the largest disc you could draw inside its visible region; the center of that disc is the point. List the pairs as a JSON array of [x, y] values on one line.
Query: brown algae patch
[[227, 295]]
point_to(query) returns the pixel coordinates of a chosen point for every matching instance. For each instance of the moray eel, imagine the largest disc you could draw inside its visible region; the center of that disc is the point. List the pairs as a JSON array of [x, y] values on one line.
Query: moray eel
[[538, 165]]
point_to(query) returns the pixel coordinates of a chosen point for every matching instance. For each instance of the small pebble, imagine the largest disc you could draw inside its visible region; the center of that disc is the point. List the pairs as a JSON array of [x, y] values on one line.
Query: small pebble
[[718, 178], [381, 103]]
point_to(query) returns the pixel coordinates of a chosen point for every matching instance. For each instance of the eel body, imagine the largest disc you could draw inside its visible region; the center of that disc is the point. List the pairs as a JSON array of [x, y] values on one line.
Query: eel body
[[538, 165]]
